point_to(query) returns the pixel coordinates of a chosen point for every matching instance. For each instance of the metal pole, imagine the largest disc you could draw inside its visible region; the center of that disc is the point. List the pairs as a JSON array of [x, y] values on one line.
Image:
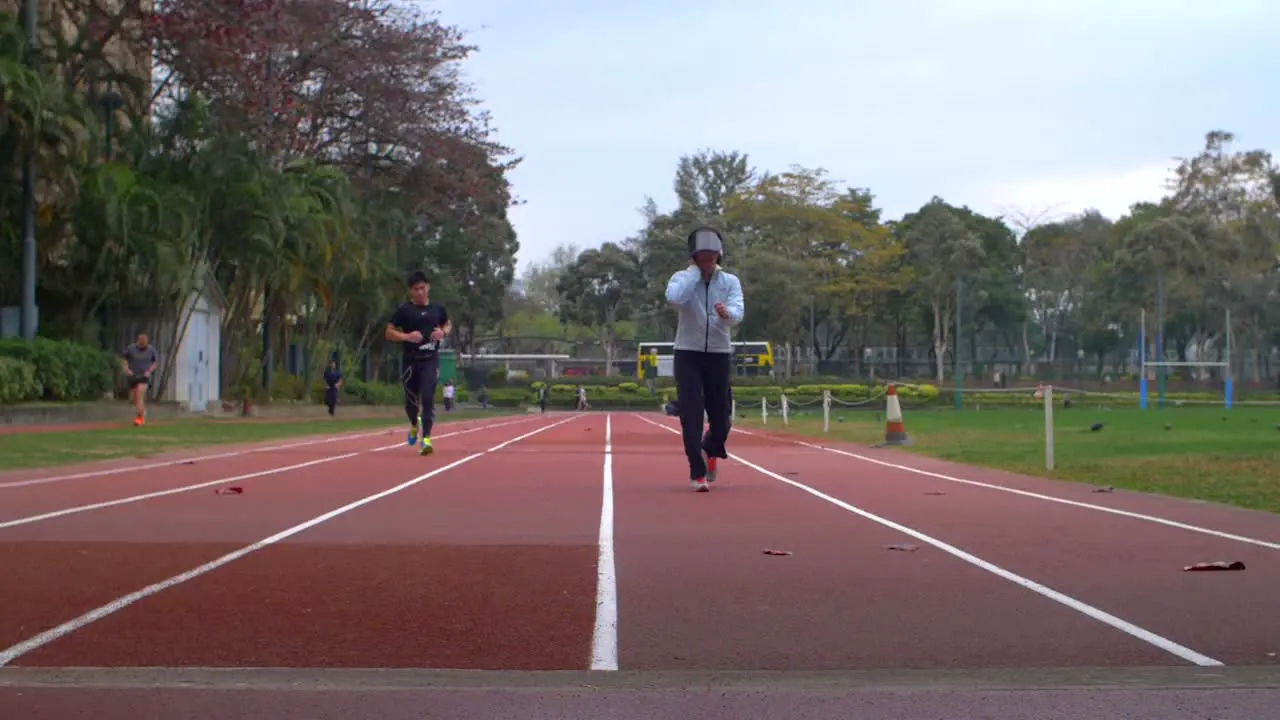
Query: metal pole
[[959, 394], [1229, 380], [268, 361], [1161, 370], [1142, 361], [31, 16], [813, 337], [1048, 427]]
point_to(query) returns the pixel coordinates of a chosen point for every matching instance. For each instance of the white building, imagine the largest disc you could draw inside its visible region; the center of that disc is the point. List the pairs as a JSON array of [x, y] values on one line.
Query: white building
[[194, 380]]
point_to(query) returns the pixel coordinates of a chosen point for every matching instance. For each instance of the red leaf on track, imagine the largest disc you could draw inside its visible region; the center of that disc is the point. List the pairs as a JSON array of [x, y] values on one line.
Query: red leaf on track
[[229, 491]]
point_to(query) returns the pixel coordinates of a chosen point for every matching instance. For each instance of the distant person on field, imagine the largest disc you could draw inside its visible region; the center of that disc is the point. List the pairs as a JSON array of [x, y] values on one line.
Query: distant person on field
[[450, 390], [139, 361], [582, 399], [709, 303], [332, 383]]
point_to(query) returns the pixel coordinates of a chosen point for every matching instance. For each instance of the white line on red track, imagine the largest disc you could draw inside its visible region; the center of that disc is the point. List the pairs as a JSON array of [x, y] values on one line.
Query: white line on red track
[[199, 458], [1029, 494], [48, 636], [1079, 606], [604, 637], [222, 481]]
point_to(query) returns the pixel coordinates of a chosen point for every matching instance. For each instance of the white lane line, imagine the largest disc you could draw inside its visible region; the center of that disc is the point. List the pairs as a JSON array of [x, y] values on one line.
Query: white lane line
[[199, 458], [221, 481], [517, 421], [118, 604], [604, 639], [1038, 496], [1102, 616]]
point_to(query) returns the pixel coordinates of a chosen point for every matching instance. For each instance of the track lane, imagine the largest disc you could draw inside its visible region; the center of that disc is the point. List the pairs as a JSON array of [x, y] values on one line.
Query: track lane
[[491, 565], [1250, 526], [60, 568], [38, 503], [697, 592], [75, 474], [1125, 566]]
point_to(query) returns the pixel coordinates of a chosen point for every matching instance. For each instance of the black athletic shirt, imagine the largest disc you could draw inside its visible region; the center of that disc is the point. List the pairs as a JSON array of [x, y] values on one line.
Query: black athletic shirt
[[423, 318]]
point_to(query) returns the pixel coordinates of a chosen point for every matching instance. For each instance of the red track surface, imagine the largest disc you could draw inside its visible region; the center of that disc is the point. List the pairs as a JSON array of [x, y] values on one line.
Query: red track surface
[[492, 564]]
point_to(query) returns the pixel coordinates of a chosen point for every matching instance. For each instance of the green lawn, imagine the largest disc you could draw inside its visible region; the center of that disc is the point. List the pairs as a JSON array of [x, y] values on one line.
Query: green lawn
[[1208, 453], [61, 447]]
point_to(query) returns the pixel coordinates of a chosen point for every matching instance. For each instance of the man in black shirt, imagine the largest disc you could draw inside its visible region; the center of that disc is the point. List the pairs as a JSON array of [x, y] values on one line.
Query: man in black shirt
[[421, 325]]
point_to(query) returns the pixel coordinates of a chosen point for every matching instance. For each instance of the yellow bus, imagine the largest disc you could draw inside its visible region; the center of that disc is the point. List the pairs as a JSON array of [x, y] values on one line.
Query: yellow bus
[[750, 358]]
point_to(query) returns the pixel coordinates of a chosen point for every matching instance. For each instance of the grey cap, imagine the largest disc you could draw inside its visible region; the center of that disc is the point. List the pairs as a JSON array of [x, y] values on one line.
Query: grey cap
[[704, 239]]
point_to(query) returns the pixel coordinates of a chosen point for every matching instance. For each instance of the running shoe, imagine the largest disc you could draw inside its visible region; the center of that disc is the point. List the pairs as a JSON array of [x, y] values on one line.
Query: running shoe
[[413, 436], [711, 469], [426, 448], [700, 485]]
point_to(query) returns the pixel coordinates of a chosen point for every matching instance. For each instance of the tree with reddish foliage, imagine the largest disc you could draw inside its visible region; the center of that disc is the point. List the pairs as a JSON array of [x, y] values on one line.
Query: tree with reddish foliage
[[366, 85], [369, 87]]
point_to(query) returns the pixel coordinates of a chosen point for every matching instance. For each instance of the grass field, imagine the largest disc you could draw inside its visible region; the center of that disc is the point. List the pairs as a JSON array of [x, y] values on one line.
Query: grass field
[[62, 447], [1207, 453]]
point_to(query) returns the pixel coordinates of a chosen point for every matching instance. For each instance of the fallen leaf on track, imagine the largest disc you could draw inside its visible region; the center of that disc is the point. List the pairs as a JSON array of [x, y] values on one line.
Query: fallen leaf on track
[[904, 548], [767, 551], [1219, 565]]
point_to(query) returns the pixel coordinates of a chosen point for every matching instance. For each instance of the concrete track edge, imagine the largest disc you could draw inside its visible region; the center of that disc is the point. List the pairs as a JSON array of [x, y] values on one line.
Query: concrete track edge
[[1011, 679]]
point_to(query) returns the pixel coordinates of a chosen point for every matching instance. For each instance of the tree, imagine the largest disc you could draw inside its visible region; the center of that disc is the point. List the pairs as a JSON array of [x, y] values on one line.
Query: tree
[[300, 155], [944, 251], [601, 289]]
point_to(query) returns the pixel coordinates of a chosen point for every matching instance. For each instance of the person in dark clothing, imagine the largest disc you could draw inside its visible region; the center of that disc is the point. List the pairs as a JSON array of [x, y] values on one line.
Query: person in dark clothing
[[708, 301], [332, 384], [421, 326]]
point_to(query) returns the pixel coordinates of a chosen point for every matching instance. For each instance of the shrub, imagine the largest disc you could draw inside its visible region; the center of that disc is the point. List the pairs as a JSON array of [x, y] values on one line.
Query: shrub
[[66, 371], [18, 382]]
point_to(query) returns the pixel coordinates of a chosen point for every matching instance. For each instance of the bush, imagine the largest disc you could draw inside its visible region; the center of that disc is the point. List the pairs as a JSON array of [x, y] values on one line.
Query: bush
[[510, 398], [65, 371], [18, 382]]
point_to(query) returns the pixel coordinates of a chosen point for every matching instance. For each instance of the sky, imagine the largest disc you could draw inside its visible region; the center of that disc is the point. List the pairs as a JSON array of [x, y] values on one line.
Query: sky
[[1026, 108]]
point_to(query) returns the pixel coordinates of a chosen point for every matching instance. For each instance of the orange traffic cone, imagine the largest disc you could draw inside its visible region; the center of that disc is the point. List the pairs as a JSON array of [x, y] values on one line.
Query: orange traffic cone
[[895, 432]]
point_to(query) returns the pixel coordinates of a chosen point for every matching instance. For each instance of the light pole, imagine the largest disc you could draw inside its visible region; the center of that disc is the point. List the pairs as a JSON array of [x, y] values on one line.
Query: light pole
[[959, 393], [30, 13]]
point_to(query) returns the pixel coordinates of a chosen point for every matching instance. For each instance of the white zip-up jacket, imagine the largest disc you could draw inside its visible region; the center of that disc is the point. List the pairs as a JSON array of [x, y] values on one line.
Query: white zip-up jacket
[[699, 327]]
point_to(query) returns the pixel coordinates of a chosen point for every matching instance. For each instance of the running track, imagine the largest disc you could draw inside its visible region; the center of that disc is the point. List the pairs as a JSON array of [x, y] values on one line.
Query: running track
[[568, 551]]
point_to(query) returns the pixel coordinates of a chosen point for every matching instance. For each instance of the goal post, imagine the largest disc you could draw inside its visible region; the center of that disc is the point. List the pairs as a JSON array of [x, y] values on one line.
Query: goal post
[[1144, 385]]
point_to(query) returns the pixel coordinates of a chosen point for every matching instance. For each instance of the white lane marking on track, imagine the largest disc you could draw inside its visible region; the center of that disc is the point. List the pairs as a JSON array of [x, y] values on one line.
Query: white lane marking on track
[[222, 481], [118, 604], [1038, 496], [1095, 613], [199, 458], [604, 638]]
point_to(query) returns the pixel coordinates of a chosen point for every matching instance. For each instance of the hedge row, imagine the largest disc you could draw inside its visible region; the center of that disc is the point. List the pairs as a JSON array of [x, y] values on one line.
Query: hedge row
[[59, 370], [18, 382]]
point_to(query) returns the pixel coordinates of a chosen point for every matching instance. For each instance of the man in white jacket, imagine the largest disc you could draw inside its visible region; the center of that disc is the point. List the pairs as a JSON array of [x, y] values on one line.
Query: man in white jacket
[[709, 303]]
